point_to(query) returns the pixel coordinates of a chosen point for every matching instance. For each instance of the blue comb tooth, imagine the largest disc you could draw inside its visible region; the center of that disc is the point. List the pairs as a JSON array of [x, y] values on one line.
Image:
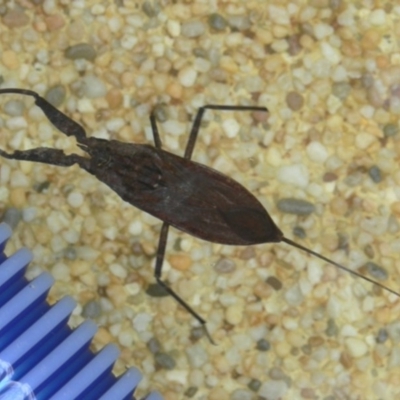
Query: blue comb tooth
[[41, 357]]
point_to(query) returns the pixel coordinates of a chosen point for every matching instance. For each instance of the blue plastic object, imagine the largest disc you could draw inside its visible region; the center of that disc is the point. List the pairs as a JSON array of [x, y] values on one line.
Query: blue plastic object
[[41, 357]]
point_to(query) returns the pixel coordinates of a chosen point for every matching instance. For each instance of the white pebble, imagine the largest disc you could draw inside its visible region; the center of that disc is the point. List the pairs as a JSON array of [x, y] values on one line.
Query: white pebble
[[128, 42], [322, 30], [93, 87], [279, 15], [141, 322], [187, 76], [234, 313], [317, 152], [367, 111], [273, 389], [126, 338], [196, 355], [330, 53], [16, 123], [346, 18], [231, 127], [111, 232], [173, 28], [60, 272], [135, 228], [71, 236], [364, 140], [295, 174], [75, 199], [178, 375], [132, 289], [377, 17], [29, 214], [118, 270], [19, 179], [356, 347]]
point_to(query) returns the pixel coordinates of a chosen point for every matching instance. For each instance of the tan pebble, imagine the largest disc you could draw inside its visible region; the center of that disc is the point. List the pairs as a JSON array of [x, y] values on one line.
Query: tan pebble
[[395, 207], [356, 347], [174, 89], [282, 349], [114, 98], [79, 267], [382, 61], [10, 59], [384, 316], [222, 365], [234, 314], [315, 341], [117, 294], [104, 59], [308, 393], [15, 18], [339, 206], [18, 197], [103, 337], [218, 394], [330, 242], [346, 360], [181, 262], [262, 290], [89, 279], [127, 78], [351, 48], [43, 235], [370, 39], [54, 22], [295, 339]]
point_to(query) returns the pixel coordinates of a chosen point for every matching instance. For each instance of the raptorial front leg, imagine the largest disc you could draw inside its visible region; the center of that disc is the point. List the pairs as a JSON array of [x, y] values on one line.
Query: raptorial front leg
[[47, 155], [159, 263], [61, 121], [199, 116]]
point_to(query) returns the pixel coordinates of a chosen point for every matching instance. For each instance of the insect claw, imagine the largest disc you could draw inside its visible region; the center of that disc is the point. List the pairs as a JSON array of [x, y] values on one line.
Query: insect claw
[[208, 334]]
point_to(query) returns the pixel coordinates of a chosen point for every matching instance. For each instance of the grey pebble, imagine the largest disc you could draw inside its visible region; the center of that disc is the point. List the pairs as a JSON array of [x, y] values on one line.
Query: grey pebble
[[154, 345], [70, 253], [192, 29], [14, 108], [295, 206], [164, 360], [375, 174], [155, 290], [217, 22], [276, 374], [151, 10], [191, 391], [274, 282], [12, 216], [390, 130], [81, 50], [196, 333], [263, 345], [225, 266], [254, 385], [92, 309], [299, 232], [161, 112], [241, 394], [239, 22], [376, 271], [341, 90], [56, 95], [382, 336], [331, 329]]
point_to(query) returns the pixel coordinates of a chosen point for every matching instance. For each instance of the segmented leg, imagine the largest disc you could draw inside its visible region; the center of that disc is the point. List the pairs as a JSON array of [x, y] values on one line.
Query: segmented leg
[[61, 121], [47, 155], [159, 263], [199, 116]]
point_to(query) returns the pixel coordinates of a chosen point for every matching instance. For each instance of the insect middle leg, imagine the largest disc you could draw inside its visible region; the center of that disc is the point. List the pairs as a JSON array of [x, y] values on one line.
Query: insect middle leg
[[199, 116]]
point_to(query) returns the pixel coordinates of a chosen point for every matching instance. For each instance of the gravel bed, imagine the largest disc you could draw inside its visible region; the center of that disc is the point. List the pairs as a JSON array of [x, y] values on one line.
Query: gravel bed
[[323, 161]]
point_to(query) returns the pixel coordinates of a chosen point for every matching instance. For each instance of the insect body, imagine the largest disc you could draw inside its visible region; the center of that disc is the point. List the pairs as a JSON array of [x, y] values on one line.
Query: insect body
[[182, 193]]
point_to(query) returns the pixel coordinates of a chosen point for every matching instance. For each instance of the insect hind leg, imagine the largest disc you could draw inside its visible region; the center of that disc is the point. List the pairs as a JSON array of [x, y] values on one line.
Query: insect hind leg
[[61, 121], [159, 262], [199, 116]]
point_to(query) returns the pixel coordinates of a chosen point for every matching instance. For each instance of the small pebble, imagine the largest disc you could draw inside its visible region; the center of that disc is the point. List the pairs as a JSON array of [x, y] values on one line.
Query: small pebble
[[376, 271], [14, 108], [299, 232], [81, 50], [15, 18], [274, 282], [375, 174], [254, 385], [239, 22], [341, 90], [155, 290], [196, 333], [151, 9], [191, 391], [241, 394], [224, 266], [356, 347], [12, 216], [164, 360], [295, 206], [382, 336], [390, 130], [294, 100], [263, 345], [161, 112], [217, 22], [276, 373], [56, 95], [75, 199], [92, 309], [192, 29], [154, 345]]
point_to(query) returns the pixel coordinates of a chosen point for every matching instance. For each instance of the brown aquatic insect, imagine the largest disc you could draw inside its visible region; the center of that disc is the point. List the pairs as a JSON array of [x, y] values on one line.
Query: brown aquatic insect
[[182, 193]]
